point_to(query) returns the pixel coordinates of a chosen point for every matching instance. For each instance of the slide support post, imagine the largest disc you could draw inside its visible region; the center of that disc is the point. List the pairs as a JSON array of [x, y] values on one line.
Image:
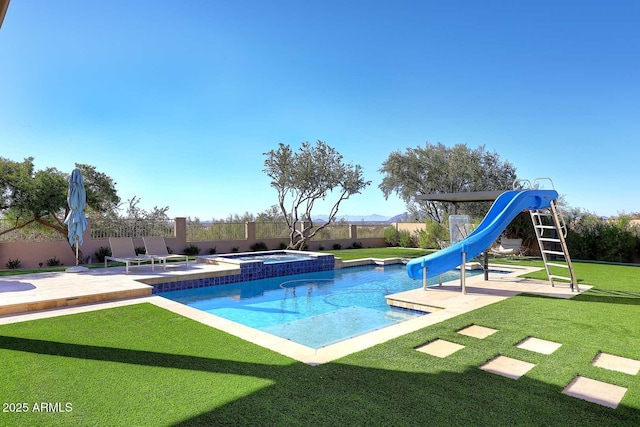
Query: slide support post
[[486, 264], [463, 268], [424, 277]]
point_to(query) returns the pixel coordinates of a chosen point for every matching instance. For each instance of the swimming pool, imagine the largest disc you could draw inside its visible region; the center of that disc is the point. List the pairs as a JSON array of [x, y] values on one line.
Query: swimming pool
[[312, 309]]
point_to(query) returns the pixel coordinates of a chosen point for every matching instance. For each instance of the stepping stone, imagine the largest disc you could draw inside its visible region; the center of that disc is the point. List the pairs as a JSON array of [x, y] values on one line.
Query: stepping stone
[[538, 345], [507, 367], [599, 392], [440, 348], [616, 363], [477, 331]]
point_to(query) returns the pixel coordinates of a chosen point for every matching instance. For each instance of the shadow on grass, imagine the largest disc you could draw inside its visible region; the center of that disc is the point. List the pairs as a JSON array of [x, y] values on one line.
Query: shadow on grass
[[344, 394], [610, 296], [598, 295]]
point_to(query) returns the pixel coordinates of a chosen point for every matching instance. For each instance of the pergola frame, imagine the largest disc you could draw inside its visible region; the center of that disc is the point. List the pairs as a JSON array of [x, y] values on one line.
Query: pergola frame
[[455, 198]]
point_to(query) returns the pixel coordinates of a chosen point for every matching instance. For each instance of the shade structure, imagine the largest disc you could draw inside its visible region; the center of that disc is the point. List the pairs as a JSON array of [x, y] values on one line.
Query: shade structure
[[77, 200]]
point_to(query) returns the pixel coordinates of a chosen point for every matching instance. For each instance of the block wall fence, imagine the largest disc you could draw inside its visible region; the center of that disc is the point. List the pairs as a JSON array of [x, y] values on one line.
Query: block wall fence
[[31, 254]]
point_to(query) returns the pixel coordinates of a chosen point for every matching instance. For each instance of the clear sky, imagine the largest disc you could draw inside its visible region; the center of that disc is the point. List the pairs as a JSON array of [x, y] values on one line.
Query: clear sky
[[178, 100]]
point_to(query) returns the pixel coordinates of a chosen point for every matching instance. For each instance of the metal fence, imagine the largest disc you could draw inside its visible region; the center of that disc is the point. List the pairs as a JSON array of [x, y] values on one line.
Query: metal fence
[[364, 231], [272, 230], [216, 231], [103, 228], [334, 231]]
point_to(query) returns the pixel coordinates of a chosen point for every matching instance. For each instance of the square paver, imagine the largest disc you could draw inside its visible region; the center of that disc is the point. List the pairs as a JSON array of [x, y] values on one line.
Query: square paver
[[507, 367], [538, 345], [477, 331], [616, 363], [599, 392], [440, 348]]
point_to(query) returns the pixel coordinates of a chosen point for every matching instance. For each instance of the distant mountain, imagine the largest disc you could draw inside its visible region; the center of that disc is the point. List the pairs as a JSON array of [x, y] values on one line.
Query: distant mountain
[[399, 218], [359, 218]]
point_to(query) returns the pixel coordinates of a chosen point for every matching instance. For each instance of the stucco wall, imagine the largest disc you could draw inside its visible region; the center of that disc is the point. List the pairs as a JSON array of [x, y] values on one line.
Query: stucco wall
[[31, 254]]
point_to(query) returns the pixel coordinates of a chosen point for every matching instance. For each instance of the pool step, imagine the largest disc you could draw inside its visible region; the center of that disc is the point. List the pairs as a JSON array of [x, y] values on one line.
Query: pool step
[[412, 305]]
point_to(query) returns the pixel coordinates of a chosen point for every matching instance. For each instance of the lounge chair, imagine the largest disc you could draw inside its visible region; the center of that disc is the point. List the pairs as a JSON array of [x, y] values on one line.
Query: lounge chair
[[508, 247], [122, 250], [156, 247]]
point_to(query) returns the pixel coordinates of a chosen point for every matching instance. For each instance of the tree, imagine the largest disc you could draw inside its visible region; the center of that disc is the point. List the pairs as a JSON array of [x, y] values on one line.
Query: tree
[[441, 169], [272, 214], [306, 176], [40, 197], [136, 212]]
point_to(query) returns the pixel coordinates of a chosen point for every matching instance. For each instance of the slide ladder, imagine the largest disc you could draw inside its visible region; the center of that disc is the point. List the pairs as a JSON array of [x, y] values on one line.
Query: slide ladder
[[551, 232]]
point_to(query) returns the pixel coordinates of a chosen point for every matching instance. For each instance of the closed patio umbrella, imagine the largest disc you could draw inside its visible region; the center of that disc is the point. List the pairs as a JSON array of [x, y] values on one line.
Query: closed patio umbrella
[[76, 221]]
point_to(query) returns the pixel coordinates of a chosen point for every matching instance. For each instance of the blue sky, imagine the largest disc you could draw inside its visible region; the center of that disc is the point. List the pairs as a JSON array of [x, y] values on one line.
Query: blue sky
[[178, 101]]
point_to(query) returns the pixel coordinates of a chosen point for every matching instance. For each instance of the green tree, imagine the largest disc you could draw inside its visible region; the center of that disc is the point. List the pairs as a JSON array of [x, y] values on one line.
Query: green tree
[[306, 176], [40, 197], [272, 214], [441, 169]]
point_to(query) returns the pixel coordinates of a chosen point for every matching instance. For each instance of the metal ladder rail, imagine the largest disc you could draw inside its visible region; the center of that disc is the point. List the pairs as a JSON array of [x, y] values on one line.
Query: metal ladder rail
[[562, 235], [560, 227], [539, 228]]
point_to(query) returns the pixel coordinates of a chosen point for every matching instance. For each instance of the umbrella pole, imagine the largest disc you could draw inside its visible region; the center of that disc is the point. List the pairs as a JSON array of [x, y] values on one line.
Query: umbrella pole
[[77, 262]]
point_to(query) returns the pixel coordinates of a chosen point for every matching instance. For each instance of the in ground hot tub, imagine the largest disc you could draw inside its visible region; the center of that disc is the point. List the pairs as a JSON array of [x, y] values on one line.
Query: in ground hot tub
[[265, 264]]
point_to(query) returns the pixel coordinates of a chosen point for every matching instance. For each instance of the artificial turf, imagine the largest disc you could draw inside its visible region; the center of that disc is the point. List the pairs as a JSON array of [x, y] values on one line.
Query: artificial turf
[[142, 365]]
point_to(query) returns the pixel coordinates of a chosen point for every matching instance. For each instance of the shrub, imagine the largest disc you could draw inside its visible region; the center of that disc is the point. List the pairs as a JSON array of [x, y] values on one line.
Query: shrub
[[321, 248], [13, 264], [235, 249], [337, 246], [102, 252], [391, 236], [356, 245], [405, 240], [612, 240], [282, 246], [259, 246], [191, 250], [433, 233], [53, 262], [141, 250], [212, 251]]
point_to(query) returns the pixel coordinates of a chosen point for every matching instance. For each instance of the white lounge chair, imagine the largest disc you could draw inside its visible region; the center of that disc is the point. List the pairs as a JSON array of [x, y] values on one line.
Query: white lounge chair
[[508, 247], [156, 247], [122, 250]]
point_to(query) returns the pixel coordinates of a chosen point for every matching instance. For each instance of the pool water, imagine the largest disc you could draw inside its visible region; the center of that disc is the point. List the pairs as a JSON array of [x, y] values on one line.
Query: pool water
[[312, 309], [274, 258]]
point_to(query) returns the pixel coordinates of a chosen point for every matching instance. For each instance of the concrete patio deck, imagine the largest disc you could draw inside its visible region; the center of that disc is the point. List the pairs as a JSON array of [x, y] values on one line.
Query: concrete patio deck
[[44, 291]]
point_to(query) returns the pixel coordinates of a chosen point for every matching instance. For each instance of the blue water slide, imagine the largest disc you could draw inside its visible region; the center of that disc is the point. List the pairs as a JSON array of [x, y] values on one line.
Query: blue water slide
[[504, 209]]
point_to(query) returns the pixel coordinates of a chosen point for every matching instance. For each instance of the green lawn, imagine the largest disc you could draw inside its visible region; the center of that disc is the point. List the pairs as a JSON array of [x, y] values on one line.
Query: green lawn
[[144, 366]]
